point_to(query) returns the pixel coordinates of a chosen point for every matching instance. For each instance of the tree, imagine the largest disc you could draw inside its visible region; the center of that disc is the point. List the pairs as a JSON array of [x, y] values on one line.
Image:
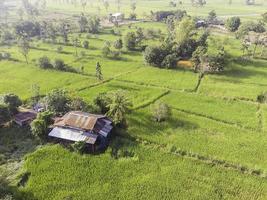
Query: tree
[[12, 101], [184, 30], [93, 24], [161, 111], [106, 4], [64, 31], [212, 16], [99, 74], [155, 55], [102, 100], [57, 101], [118, 44], [59, 65], [106, 49], [118, 107], [86, 44], [233, 23], [44, 63], [262, 98], [79, 104], [39, 126], [83, 22], [76, 44], [24, 47], [130, 41], [170, 61]]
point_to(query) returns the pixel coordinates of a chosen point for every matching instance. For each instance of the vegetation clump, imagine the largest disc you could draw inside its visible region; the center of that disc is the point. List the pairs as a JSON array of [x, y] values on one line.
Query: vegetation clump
[[161, 111]]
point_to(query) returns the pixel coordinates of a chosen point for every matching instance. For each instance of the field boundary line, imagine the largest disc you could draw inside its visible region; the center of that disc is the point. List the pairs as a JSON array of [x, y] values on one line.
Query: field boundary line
[[259, 115], [149, 102], [224, 164], [105, 81], [191, 91], [214, 119]]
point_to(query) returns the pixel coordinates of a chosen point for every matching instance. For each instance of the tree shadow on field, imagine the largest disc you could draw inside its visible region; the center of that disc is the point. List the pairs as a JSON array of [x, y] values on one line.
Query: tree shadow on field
[[244, 69]]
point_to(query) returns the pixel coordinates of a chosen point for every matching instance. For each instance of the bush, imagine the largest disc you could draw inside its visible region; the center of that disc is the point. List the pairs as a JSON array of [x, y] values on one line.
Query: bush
[[170, 61], [154, 56], [57, 101], [39, 126], [86, 44], [59, 65], [132, 16], [5, 56], [4, 113], [79, 147], [12, 101], [130, 41], [262, 98], [44, 63], [161, 112], [102, 101], [233, 23], [60, 49]]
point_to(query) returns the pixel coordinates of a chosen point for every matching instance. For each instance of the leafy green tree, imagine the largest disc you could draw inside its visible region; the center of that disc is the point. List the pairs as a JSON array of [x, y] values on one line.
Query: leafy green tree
[[106, 49], [118, 107], [233, 23], [130, 40], [12, 101], [212, 16], [39, 126], [59, 65], [44, 63], [118, 44], [185, 30], [99, 74], [102, 100], [83, 23], [154, 56], [76, 44], [86, 44], [93, 24], [161, 112], [170, 61], [24, 47], [57, 101]]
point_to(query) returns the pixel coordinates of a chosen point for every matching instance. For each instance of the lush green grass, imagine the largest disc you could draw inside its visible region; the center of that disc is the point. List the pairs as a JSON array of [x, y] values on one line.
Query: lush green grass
[[201, 135], [236, 112], [145, 6], [138, 95], [56, 173]]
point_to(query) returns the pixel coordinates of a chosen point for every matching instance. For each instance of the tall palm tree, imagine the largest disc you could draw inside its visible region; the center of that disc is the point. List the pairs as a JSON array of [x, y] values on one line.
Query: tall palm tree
[[118, 107]]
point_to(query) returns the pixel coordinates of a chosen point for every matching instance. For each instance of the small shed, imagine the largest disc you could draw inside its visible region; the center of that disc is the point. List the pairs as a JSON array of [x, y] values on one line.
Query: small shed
[[78, 126], [116, 17], [25, 118]]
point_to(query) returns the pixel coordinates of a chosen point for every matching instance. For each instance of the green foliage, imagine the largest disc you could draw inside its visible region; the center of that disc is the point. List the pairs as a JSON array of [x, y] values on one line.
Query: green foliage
[[12, 101], [233, 23], [118, 44], [4, 113], [99, 74], [262, 98], [248, 26], [86, 44], [161, 112], [57, 101], [118, 107], [130, 41], [170, 61], [93, 24], [44, 63], [39, 126], [184, 30], [102, 100], [154, 55], [59, 65], [79, 147]]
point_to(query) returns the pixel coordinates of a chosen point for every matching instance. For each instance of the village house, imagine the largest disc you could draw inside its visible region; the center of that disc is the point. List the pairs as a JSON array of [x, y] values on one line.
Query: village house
[[78, 126], [25, 117], [116, 17]]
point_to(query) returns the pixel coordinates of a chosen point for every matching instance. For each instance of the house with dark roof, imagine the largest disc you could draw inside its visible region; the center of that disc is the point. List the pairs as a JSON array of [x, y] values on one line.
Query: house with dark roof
[[24, 118], [78, 126]]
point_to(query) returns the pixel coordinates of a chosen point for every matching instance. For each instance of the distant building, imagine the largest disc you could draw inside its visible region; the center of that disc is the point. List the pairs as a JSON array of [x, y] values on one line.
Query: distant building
[[78, 126], [116, 17], [25, 118]]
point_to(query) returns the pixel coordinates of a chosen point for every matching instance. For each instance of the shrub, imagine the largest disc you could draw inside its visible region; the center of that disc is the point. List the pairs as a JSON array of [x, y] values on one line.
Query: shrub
[[130, 41], [102, 100], [79, 147], [106, 49], [86, 44], [170, 61], [154, 56], [233, 23], [79, 104], [262, 98], [161, 112], [44, 63], [5, 56], [132, 16], [4, 113], [59, 65], [118, 44], [57, 101], [60, 49], [12, 101]]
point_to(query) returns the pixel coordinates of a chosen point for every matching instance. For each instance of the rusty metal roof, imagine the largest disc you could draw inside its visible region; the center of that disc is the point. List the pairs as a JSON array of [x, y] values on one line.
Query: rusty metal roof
[[79, 120]]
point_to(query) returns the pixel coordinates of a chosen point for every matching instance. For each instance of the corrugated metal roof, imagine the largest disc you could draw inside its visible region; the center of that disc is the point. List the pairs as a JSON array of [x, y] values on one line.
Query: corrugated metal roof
[[73, 135], [79, 120]]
